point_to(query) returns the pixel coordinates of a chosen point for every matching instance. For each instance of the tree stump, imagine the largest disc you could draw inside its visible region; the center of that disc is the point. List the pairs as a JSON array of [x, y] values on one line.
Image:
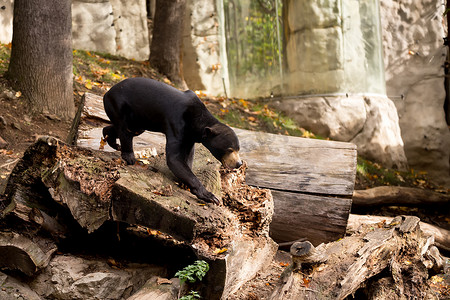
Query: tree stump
[[391, 260]]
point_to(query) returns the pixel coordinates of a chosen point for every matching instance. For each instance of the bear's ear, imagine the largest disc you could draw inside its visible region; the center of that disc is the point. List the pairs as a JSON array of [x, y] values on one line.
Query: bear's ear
[[209, 132]]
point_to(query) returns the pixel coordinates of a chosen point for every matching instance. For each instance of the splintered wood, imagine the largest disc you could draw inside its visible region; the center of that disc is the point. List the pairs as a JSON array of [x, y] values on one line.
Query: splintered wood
[[393, 257]]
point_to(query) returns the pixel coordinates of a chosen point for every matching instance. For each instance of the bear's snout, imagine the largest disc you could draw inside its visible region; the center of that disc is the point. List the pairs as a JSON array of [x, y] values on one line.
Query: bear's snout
[[232, 160]]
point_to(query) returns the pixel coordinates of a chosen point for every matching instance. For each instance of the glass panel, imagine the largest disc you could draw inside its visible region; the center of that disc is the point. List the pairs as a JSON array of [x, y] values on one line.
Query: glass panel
[[323, 47], [253, 46]]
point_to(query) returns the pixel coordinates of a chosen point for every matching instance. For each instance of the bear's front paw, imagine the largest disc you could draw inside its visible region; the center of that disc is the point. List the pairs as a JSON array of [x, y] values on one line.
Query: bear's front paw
[[129, 158], [207, 197]]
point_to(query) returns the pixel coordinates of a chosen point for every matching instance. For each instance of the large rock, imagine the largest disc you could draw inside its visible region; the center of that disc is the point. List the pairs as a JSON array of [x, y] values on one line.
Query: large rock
[[71, 277], [414, 58], [370, 123], [380, 139], [13, 289]]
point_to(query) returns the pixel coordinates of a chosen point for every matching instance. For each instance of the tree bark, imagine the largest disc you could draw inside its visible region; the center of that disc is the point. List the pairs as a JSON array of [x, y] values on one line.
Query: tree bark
[[41, 56], [165, 50]]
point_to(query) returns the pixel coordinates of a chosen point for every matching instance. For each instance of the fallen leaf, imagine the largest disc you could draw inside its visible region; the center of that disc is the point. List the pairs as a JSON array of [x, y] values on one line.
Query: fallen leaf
[[88, 84], [220, 251], [306, 282], [153, 232], [160, 281], [102, 143]]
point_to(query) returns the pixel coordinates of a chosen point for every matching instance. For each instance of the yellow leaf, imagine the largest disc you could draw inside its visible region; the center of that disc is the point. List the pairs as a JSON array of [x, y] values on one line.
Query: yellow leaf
[[116, 76], [88, 85], [220, 251], [436, 279], [102, 143], [243, 103]]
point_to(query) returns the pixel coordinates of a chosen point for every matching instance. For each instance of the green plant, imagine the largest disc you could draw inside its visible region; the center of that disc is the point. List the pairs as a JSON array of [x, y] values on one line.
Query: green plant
[[191, 274], [191, 296]]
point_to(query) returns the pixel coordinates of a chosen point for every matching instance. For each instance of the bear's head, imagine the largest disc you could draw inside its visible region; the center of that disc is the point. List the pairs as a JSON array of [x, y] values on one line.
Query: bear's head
[[223, 143]]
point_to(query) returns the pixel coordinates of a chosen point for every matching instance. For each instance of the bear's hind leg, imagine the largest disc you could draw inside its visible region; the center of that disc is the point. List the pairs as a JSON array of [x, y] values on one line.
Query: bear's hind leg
[[110, 135], [126, 146]]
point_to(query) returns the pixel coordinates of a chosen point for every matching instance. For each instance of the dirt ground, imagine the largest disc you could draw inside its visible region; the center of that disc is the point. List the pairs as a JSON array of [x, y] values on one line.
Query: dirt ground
[[19, 129]]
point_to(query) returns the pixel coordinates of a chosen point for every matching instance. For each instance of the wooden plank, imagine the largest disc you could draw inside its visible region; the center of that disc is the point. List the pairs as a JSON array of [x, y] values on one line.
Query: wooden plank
[[93, 107], [298, 164]]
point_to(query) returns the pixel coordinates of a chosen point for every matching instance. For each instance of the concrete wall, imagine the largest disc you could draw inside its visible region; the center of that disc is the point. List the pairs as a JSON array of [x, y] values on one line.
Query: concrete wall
[[6, 17], [414, 57], [112, 26], [202, 66], [117, 27]]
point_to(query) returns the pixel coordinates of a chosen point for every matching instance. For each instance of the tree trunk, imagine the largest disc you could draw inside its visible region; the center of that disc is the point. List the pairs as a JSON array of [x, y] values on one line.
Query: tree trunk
[[41, 56], [165, 50]]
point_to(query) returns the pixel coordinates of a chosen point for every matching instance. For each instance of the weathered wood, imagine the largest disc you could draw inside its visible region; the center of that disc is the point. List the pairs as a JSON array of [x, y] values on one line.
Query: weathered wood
[[18, 252], [399, 249], [315, 218], [73, 132], [441, 235], [296, 164], [95, 186], [312, 181], [396, 195]]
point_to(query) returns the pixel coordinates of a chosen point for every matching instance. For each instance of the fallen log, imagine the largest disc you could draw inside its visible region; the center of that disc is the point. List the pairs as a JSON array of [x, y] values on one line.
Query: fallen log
[[396, 195], [311, 181], [441, 235], [394, 255], [55, 186]]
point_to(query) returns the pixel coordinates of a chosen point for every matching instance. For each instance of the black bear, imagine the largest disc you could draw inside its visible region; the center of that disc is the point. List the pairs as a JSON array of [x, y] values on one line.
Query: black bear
[[138, 104]]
